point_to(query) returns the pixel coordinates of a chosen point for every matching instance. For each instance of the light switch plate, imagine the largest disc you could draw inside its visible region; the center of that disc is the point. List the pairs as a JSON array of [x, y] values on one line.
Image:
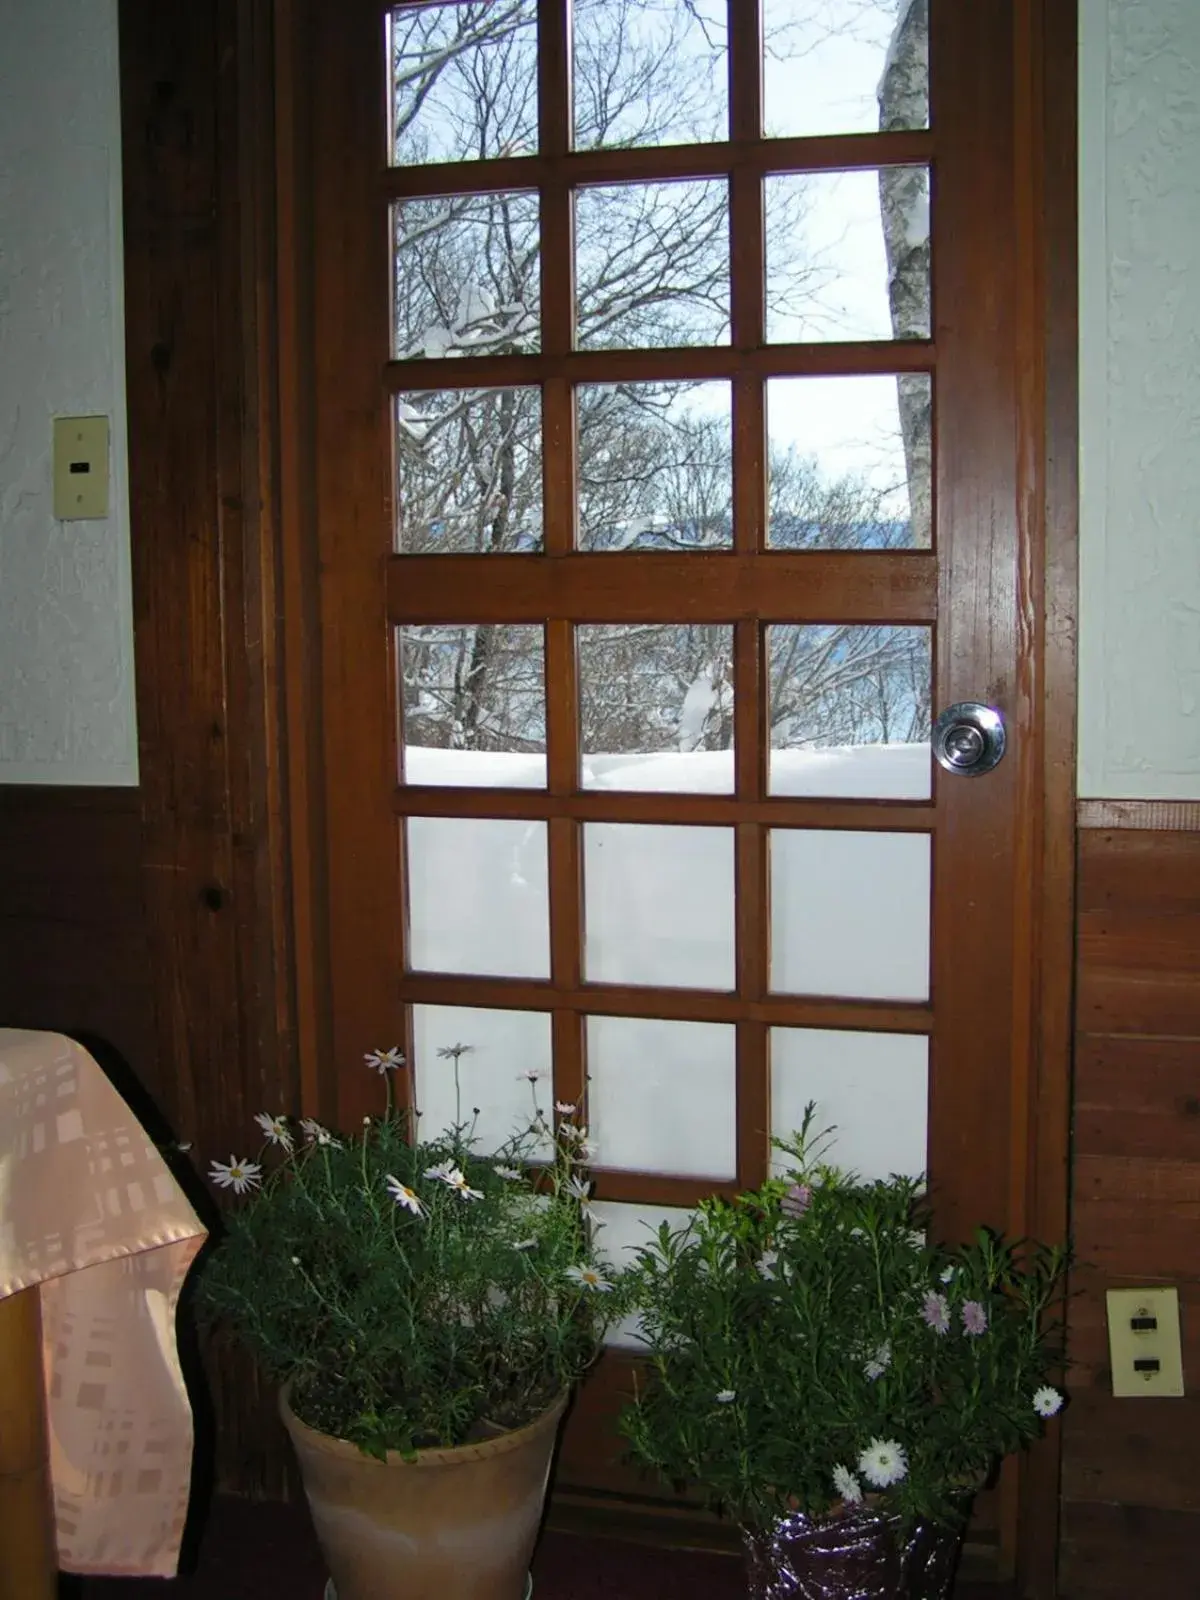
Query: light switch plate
[[80, 468], [1143, 1328]]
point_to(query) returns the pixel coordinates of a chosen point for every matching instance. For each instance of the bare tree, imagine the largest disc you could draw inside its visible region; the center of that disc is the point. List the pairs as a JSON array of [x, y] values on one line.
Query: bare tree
[[654, 459]]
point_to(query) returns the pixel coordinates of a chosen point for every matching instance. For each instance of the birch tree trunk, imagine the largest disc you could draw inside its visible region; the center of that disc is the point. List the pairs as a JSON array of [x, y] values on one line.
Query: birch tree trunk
[[904, 203]]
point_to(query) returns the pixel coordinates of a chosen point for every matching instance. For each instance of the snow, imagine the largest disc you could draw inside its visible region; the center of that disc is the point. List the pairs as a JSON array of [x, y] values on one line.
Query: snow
[[852, 772], [850, 916], [436, 341], [916, 220], [693, 713], [850, 907], [474, 769]]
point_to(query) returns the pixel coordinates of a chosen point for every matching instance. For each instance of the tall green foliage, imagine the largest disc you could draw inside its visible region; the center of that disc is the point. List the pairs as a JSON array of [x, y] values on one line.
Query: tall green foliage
[[809, 1345], [412, 1293]]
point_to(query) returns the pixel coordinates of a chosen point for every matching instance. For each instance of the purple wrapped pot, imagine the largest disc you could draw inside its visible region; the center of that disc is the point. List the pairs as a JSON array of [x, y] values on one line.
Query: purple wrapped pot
[[853, 1554]]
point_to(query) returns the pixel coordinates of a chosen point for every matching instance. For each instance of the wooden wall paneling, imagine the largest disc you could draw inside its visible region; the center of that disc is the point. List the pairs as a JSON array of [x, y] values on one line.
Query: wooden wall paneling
[[197, 200], [1130, 1498], [299, 602], [1112, 1552], [354, 521], [1046, 41], [73, 947]]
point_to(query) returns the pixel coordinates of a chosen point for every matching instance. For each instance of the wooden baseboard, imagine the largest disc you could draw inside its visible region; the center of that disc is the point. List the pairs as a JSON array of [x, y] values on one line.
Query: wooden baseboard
[[1161, 816]]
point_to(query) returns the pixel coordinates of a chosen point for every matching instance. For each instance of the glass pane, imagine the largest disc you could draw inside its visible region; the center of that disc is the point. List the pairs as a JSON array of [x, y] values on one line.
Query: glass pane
[[468, 471], [662, 1095], [656, 707], [474, 705], [850, 913], [850, 463], [845, 66], [496, 1085], [622, 1230], [649, 72], [849, 711], [478, 899], [872, 1087], [834, 269], [465, 276], [655, 466], [659, 905], [463, 81], [652, 265]]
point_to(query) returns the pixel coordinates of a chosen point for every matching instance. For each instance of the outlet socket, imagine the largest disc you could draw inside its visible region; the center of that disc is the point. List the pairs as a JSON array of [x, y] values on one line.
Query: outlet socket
[[1143, 1343], [80, 468]]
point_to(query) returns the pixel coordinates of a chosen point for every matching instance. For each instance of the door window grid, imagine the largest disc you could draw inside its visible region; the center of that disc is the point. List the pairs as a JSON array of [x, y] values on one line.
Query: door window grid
[[557, 175]]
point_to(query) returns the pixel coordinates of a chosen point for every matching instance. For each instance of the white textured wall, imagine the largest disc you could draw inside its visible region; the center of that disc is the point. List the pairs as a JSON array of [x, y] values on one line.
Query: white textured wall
[[66, 643], [1139, 733]]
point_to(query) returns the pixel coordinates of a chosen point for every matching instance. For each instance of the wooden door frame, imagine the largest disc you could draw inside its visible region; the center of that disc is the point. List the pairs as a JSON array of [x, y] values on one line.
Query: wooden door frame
[[262, 423]]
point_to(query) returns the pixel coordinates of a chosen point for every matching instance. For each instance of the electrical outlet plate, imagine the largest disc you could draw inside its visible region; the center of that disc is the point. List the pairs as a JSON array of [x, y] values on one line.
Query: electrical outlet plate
[[1143, 1328], [80, 468]]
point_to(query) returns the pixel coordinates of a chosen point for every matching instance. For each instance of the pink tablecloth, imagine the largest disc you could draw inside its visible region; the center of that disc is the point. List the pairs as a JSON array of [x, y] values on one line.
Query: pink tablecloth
[[90, 1212]]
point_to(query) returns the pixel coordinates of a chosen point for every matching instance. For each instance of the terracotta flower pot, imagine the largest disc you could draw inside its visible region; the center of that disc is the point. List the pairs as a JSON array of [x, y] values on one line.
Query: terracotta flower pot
[[456, 1522], [853, 1554]]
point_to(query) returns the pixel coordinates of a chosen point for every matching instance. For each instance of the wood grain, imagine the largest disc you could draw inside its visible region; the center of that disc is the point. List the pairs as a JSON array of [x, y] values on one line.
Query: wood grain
[[1128, 1475], [1171, 816], [1113, 1551], [557, 166], [638, 587], [677, 365]]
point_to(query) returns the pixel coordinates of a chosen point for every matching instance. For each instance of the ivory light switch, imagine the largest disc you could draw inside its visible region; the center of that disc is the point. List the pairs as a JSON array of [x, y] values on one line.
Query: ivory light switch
[[1143, 1342], [80, 468]]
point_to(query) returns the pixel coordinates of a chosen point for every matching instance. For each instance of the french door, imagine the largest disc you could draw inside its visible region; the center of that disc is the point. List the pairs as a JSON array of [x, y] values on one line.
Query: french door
[[672, 471]]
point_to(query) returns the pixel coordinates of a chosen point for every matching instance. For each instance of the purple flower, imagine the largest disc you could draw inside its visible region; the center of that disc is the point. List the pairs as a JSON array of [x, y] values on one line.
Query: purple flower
[[797, 1200], [936, 1312], [974, 1318]]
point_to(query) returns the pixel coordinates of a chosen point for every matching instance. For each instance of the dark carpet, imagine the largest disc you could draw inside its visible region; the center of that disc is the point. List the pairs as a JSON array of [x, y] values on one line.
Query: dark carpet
[[250, 1551]]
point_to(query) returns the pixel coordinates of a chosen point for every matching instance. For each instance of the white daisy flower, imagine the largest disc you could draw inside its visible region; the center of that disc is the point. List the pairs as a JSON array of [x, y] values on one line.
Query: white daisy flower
[[565, 1108], [725, 1397], [587, 1150], [441, 1171], [578, 1188], [529, 1077], [1047, 1402], [314, 1133], [524, 1244], [879, 1362], [382, 1061], [766, 1264], [847, 1485], [589, 1278], [883, 1463], [275, 1129], [455, 1179], [238, 1175], [404, 1196], [511, 1174]]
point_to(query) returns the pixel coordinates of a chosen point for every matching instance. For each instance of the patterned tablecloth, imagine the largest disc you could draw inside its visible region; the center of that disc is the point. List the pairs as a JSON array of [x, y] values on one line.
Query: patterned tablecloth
[[90, 1212]]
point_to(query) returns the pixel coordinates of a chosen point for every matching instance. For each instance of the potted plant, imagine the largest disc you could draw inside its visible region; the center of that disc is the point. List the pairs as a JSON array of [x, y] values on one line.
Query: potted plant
[[834, 1380], [426, 1310]]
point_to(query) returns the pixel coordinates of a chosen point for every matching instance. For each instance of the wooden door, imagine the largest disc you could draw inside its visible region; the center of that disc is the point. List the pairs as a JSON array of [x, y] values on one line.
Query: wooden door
[[656, 514]]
